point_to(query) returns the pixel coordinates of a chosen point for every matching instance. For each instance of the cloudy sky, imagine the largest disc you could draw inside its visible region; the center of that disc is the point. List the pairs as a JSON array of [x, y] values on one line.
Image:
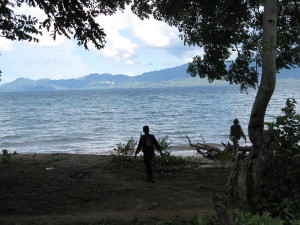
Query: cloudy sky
[[133, 47]]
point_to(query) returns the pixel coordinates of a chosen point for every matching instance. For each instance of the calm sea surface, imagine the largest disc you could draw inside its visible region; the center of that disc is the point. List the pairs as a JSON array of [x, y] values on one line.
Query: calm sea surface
[[94, 121]]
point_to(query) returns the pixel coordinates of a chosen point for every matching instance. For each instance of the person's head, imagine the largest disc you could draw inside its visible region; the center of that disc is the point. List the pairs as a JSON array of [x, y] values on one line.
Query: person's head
[[146, 129], [236, 121]]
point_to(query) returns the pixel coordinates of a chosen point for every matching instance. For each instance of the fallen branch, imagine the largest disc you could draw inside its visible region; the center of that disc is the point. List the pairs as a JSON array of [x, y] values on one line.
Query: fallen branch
[[204, 149], [243, 149], [211, 151]]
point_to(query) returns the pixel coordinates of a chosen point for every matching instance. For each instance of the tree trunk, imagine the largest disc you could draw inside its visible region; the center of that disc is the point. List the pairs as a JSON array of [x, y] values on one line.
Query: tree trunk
[[268, 78], [243, 183]]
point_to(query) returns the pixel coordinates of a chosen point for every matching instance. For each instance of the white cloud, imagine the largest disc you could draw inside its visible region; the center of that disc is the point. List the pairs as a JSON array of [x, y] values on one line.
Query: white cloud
[[58, 62], [5, 44], [118, 21], [42, 62], [118, 46], [126, 34], [154, 33]]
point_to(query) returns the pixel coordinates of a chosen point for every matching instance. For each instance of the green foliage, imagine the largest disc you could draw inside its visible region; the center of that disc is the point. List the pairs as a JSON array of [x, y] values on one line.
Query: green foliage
[[197, 220], [167, 158], [6, 156], [225, 157], [286, 131], [170, 160], [164, 145], [74, 18], [281, 186], [56, 157], [205, 220], [127, 149], [223, 27], [119, 161], [246, 218]]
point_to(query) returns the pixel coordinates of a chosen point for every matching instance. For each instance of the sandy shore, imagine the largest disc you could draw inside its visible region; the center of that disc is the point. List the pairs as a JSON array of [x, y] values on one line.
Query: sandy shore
[[178, 150], [65, 189]]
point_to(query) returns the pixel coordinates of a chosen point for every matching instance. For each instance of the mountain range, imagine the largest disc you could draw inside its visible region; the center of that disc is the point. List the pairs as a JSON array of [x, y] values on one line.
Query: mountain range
[[171, 77]]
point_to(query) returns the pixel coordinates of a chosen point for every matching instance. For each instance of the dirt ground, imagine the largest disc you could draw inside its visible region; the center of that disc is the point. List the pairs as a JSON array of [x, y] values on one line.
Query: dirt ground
[[65, 189]]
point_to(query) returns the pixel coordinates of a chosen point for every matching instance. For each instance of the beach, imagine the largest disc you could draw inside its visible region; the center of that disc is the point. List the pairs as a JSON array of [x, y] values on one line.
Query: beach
[[71, 188]]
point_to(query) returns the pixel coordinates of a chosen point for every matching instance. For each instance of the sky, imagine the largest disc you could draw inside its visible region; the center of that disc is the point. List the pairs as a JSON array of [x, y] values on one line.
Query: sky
[[133, 47]]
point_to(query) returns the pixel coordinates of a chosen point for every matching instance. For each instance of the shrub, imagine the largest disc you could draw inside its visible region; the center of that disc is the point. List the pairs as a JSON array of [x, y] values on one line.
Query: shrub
[[127, 149], [167, 158], [164, 145], [6, 156], [246, 218], [205, 220], [224, 157], [281, 187]]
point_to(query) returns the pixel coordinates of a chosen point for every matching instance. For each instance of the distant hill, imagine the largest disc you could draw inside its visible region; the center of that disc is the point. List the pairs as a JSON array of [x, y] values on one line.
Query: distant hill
[[171, 77]]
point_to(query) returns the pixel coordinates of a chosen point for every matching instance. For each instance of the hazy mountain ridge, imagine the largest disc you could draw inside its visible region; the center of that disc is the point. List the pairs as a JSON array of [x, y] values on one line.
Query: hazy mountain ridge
[[171, 77]]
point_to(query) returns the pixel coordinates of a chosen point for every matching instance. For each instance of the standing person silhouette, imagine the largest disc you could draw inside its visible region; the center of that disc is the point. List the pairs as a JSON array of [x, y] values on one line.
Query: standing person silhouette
[[147, 143], [236, 132]]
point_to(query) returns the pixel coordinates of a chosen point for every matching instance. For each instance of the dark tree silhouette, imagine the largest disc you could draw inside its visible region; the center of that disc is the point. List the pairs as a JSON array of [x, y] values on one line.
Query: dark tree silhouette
[[71, 18]]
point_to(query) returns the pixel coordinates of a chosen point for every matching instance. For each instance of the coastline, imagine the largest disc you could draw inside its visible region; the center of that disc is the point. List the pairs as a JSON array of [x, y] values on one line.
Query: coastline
[[177, 150]]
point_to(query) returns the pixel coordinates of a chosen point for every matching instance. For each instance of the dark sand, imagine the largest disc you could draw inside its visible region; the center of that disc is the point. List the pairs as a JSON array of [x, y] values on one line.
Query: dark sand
[[65, 189]]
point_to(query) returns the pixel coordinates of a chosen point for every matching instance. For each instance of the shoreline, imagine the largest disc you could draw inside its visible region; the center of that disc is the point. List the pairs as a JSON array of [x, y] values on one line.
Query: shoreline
[[177, 150]]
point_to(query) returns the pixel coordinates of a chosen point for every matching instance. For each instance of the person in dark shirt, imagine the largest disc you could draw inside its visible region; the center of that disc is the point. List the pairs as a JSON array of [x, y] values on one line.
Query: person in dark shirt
[[147, 143], [236, 132]]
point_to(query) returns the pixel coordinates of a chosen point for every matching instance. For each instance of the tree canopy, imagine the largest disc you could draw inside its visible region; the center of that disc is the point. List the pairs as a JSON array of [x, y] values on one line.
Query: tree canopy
[[223, 27], [71, 18]]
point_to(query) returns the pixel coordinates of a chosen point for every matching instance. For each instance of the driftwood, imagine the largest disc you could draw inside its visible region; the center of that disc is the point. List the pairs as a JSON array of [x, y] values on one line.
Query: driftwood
[[242, 149], [204, 149], [208, 151]]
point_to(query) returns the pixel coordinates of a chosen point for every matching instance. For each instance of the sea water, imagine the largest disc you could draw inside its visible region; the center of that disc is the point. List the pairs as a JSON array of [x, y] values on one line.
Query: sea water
[[93, 121]]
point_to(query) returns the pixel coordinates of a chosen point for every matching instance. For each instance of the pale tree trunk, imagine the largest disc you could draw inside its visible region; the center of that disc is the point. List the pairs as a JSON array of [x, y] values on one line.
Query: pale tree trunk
[[268, 78], [243, 183]]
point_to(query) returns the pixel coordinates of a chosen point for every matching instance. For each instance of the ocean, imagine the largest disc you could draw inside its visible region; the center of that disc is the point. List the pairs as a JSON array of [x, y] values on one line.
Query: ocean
[[93, 121]]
